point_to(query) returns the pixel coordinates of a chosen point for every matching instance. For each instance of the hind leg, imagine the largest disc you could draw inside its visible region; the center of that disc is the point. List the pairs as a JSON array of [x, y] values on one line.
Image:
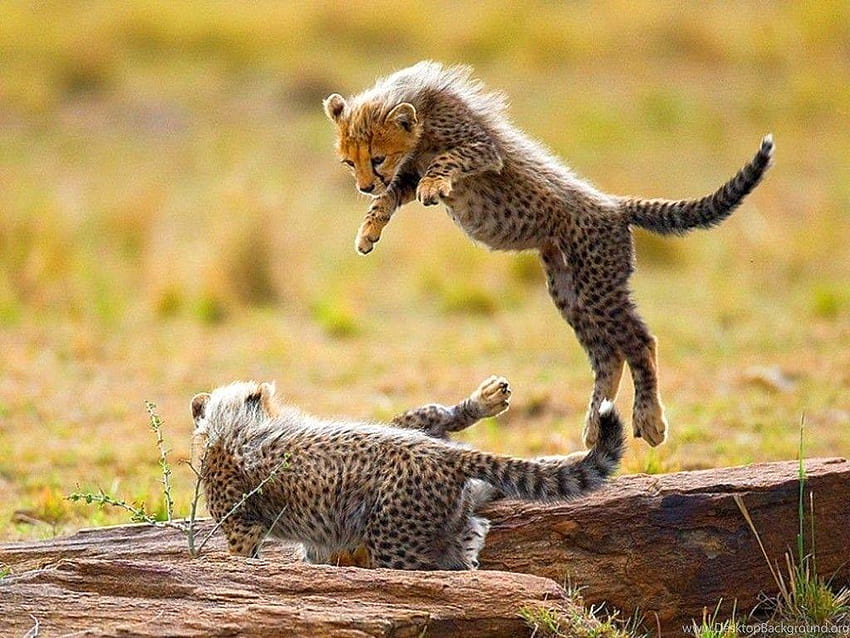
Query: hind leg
[[588, 280], [625, 327], [397, 539], [420, 523], [607, 264], [648, 420], [417, 543], [606, 360], [472, 539], [607, 363], [490, 398], [462, 536]]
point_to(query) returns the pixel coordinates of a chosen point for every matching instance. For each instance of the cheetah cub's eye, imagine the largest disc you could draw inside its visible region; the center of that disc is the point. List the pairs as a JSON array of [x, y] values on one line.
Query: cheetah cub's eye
[[348, 163], [378, 160]]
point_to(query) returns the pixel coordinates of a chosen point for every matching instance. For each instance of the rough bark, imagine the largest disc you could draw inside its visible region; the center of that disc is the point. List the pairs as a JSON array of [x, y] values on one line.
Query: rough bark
[[673, 544], [219, 595], [668, 545], [138, 580]]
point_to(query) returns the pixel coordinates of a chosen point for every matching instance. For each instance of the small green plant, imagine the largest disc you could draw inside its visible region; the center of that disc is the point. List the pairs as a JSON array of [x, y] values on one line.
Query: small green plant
[[712, 627], [165, 467], [210, 309], [5, 570], [186, 526], [544, 622], [827, 302], [563, 621], [652, 462]]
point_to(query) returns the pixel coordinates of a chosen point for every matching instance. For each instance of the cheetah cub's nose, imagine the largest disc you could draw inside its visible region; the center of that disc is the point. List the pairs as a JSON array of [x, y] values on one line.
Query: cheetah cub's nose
[[367, 189]]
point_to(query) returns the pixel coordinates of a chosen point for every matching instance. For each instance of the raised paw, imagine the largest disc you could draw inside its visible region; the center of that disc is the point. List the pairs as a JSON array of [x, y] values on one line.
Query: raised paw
[[493, 396], [431, 189], [367, 236], [650, 425]]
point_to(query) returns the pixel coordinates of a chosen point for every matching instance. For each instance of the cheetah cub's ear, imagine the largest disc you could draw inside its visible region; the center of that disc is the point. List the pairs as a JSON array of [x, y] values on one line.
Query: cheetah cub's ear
[[403, 116], [199, 407], [334, 106], [265, 396]]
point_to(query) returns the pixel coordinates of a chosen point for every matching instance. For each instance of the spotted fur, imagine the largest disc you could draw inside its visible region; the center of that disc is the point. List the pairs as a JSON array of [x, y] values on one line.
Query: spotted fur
[[434, 133], [404, 494]]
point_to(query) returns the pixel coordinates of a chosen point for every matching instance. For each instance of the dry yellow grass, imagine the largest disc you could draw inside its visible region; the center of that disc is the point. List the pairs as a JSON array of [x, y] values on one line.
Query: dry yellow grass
[[172, 217]]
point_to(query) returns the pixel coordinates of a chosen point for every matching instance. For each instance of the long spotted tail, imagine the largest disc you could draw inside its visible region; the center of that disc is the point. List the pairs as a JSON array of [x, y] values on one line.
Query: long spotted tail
[[552, 478], [676, 217]]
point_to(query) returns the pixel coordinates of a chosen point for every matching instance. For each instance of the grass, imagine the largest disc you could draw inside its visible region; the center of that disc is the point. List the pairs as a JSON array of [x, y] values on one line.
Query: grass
[[336, 320], [560, 621], [712, 627], [804, 598], [173, 218]]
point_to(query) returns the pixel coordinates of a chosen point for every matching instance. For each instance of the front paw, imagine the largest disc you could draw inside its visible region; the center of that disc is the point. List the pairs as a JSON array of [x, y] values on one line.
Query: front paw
[[365, 242], [493, 396], [431, 189], [368, 234]]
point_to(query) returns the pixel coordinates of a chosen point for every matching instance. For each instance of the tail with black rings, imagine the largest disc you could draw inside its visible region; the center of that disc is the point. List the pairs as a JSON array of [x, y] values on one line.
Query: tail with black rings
[[677, 217]]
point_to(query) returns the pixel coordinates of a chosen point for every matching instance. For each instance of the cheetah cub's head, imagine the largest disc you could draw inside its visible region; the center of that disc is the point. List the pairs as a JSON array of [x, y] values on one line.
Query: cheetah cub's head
[[373, 139], [240, 404]]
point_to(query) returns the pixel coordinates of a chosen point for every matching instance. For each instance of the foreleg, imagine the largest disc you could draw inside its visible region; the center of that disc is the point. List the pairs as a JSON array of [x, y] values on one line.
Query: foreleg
[[243, 536], [400, 191], [470, 157], [491, 398]]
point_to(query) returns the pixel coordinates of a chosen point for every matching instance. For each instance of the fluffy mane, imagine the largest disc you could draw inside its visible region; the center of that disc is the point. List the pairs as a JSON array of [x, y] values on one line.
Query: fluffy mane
[[418, 83]]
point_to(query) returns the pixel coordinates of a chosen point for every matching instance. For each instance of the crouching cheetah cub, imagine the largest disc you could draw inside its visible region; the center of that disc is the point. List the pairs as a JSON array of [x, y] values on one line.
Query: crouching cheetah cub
[[400, 490], [434, 134]]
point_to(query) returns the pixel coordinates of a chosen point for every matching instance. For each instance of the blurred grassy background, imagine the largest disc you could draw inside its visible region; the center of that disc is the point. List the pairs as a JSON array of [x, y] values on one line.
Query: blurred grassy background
[[172, 217]]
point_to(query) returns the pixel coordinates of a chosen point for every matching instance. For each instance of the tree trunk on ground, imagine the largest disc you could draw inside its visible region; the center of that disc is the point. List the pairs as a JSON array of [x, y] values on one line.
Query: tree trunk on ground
[[668, 545], [219, 595], [673, 544]]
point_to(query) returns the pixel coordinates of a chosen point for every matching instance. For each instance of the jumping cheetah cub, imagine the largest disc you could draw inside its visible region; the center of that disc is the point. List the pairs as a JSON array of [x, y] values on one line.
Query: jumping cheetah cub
[[400, 490], [433, 133]]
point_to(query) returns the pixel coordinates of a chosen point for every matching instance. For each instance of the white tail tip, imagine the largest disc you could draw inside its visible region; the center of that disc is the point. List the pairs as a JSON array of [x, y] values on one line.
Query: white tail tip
[[606, 407]]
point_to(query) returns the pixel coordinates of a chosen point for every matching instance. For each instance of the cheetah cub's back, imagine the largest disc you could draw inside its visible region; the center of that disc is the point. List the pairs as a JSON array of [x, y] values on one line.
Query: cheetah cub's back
[[435, 134]]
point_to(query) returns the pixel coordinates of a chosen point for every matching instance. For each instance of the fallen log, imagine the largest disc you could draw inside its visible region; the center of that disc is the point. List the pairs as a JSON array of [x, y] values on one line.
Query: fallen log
[[674, 544], [220, 595], [667, 545]]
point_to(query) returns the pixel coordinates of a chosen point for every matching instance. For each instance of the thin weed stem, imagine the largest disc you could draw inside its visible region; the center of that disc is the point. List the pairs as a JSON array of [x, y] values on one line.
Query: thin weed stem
[[280, 466], [156, 426], [774, 572], [186, 526], [196, 496], [801, 475]]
